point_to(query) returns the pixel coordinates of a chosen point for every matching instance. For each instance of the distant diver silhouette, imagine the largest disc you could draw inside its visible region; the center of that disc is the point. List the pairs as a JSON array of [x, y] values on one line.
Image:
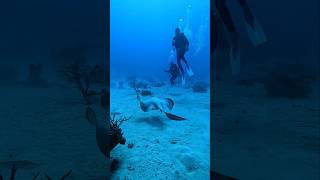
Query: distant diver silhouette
[[220, 13], [181, 44], [174, 72]]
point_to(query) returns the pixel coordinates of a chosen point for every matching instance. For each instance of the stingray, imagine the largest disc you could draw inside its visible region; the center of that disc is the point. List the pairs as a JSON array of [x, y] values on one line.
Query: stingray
[[164, 105]]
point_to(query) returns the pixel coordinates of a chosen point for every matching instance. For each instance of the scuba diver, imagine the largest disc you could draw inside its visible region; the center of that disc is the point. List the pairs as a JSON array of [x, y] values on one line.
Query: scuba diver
[[174, 72], [220, 14], [181, 44]]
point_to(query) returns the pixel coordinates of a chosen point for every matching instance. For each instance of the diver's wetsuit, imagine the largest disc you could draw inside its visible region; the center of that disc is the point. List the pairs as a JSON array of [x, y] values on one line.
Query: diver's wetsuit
[[181, 43], [174, 72]]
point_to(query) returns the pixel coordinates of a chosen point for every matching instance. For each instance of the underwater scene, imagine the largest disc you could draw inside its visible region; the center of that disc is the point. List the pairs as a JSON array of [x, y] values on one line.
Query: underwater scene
[[246, 70], [265, 93], [53, 79], [159, 83]]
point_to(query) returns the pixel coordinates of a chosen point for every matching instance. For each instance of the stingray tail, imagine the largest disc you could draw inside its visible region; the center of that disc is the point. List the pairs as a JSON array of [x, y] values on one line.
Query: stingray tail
[[175, 117]]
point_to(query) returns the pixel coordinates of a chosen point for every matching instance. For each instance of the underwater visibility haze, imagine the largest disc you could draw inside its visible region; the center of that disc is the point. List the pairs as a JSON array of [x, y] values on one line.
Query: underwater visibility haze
[[54, 111], [168, 133], [142, 32], [265, 117]]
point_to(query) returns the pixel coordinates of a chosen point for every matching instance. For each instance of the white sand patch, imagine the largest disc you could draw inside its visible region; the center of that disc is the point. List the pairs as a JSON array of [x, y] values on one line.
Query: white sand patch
[[164, 149]]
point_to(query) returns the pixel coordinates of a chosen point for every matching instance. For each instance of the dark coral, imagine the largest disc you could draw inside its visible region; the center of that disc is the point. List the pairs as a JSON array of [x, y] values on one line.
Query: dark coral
[[80, 76], [115, 164], [116, 131], [112, 134]]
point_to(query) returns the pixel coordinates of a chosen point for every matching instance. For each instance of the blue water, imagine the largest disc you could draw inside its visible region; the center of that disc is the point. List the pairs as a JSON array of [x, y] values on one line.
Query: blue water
[[141, 34], [254, 136], [142, 30]]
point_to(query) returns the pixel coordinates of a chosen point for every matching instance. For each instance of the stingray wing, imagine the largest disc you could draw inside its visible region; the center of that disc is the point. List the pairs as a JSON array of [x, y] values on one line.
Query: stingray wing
[[165, 105], [175, 117], [170, 103]]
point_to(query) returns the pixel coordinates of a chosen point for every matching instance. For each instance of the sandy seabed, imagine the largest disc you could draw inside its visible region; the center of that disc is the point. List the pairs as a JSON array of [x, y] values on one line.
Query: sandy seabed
[[45, 130], [163, 148], [254, 137]]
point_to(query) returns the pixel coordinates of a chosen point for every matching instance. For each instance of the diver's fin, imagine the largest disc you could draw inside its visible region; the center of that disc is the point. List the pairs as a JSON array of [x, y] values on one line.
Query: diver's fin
[[189, 71], [256, 33], [235, 59], [91, 116], [174, 117]]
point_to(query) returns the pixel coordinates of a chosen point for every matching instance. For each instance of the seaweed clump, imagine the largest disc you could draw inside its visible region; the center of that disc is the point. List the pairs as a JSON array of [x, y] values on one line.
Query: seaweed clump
[[116, 131], [73, 67], [108, 134]]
